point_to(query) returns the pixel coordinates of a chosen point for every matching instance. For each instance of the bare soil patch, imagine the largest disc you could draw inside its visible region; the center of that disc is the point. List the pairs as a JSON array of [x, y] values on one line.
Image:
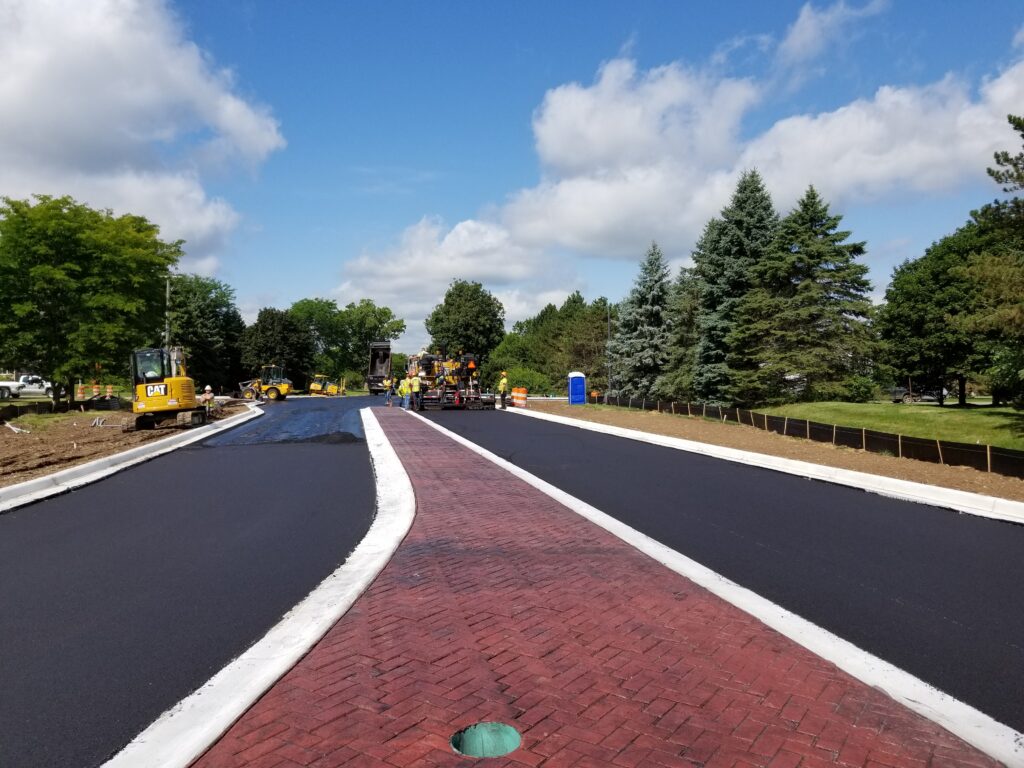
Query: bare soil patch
[[758, 441], [60, 441]]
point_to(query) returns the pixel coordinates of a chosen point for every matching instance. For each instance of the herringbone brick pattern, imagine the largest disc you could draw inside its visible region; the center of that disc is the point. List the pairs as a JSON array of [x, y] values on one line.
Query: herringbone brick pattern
[[503, 605]]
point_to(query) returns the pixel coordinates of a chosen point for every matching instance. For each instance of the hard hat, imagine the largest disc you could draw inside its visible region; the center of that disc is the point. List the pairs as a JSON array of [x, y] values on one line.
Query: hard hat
[[504, 373], [209, 388]]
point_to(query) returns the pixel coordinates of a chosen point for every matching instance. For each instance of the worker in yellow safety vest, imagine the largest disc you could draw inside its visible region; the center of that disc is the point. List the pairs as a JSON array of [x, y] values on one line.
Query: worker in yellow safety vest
[[503, 388], [387, 384], [403, 392], [414, 385]]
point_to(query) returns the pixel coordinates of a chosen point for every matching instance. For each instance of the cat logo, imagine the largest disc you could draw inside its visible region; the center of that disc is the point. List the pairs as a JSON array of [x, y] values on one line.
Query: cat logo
[[156, 389]]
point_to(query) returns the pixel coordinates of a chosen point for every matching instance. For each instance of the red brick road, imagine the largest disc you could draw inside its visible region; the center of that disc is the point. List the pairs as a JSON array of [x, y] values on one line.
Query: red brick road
[[503, 605]]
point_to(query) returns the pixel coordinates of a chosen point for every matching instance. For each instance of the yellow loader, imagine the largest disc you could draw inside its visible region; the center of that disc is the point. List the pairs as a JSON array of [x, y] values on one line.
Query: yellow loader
[[272, 384]]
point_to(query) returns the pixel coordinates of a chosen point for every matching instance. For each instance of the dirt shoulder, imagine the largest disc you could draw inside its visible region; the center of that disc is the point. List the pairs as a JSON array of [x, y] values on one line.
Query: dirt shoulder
[[758, 441], [53, 443]]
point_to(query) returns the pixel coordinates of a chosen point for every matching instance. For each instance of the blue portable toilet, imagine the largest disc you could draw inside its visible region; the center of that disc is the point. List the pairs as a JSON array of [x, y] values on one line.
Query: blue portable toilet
[[577, 388]]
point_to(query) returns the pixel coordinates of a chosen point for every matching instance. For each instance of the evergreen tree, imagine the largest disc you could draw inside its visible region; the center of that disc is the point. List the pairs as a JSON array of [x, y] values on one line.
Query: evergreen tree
[[676, 383], [640, 347], [724, 260], [1010, 172], [803, 326]]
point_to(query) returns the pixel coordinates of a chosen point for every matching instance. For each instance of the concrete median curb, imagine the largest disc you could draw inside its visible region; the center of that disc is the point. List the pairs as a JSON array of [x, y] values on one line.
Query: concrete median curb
[[948, 498], [67, 479], [183, 733]]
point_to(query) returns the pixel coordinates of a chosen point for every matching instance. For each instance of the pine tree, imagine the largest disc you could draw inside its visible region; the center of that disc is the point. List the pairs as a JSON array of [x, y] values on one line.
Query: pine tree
[[803, 326], [1010, 172], [676, 383], [639, 348], [724, 260]]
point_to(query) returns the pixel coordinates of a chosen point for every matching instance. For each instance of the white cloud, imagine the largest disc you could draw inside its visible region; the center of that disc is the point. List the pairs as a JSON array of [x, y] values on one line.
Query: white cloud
[[653, 155], [927, 139], [815, 30], [640, 155], [629, 160], [628, 119], [1018, 39], [633, 152], [413, 275], [108, 102]]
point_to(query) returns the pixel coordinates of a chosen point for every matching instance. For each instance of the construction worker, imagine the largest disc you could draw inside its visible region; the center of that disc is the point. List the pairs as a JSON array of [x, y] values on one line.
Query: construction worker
[[414, 388], [403, 392], [206, 399], [503, 388], [387, 384]]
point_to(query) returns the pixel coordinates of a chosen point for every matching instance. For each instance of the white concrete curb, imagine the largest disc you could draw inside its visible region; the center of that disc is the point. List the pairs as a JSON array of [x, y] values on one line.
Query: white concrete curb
[[961, 501], [992, 737], [60, 482], [192, 726]]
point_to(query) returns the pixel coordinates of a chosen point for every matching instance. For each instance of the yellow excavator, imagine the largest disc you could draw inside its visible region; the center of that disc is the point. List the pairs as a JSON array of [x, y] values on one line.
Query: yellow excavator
[[321, 385], [271, 383], [162, 392]]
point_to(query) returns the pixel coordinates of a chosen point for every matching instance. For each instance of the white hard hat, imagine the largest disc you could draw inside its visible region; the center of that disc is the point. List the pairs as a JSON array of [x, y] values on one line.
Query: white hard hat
[[209, 388]]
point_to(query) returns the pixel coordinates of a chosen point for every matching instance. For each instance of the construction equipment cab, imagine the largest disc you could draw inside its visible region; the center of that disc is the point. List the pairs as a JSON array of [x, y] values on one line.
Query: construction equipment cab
[[271, 383], [162, 392]]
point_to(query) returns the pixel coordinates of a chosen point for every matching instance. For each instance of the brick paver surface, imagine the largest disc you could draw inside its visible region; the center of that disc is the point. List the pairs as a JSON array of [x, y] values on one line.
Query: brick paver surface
[[502, 605]]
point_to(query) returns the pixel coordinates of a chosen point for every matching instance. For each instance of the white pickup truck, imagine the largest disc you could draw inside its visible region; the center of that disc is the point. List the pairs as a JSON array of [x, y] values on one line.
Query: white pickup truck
[[35, 385], [10, 389]]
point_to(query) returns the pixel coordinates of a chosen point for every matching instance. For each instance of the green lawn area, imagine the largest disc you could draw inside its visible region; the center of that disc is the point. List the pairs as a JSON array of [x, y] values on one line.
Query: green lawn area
[[983, 424]]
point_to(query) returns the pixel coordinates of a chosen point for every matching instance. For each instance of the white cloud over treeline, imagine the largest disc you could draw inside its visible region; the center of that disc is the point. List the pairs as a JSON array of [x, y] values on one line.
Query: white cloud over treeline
[[640, 154], [107, 101]]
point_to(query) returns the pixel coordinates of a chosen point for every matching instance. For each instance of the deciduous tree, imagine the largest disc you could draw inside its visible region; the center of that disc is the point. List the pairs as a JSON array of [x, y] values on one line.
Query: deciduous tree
[[277, 338], [80, 288], [206, 322], [470, 319]]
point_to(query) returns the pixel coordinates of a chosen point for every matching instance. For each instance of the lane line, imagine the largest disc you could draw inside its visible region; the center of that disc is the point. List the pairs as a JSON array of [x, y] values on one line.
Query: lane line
[[905, 490], [56, 483], [188, 729], [982, 731]]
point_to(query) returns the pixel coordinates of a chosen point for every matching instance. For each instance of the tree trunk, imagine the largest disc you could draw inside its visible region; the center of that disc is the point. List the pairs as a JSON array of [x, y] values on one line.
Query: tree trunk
[[961, 387]]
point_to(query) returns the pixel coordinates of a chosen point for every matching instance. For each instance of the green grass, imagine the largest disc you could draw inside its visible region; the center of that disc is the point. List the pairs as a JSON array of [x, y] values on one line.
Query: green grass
[[1001, 426]]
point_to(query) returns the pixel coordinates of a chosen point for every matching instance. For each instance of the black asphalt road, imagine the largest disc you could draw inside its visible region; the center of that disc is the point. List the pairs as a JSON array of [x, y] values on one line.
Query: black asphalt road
[[938, 594], [121, 598]]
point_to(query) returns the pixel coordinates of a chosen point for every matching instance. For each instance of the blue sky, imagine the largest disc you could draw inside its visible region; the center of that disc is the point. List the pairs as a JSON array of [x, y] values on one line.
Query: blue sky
[[346, 150]]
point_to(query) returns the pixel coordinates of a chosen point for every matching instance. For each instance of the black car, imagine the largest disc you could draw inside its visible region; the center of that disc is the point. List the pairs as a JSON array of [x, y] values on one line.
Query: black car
[[904, 395]]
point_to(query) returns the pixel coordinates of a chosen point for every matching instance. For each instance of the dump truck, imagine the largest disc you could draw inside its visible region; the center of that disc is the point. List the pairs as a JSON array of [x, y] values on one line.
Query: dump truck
[[163, 394], [380, 366], [271, 383]]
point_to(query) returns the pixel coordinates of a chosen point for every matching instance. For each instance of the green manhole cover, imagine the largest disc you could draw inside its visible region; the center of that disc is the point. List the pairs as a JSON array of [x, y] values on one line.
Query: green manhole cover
[[486, 740]]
